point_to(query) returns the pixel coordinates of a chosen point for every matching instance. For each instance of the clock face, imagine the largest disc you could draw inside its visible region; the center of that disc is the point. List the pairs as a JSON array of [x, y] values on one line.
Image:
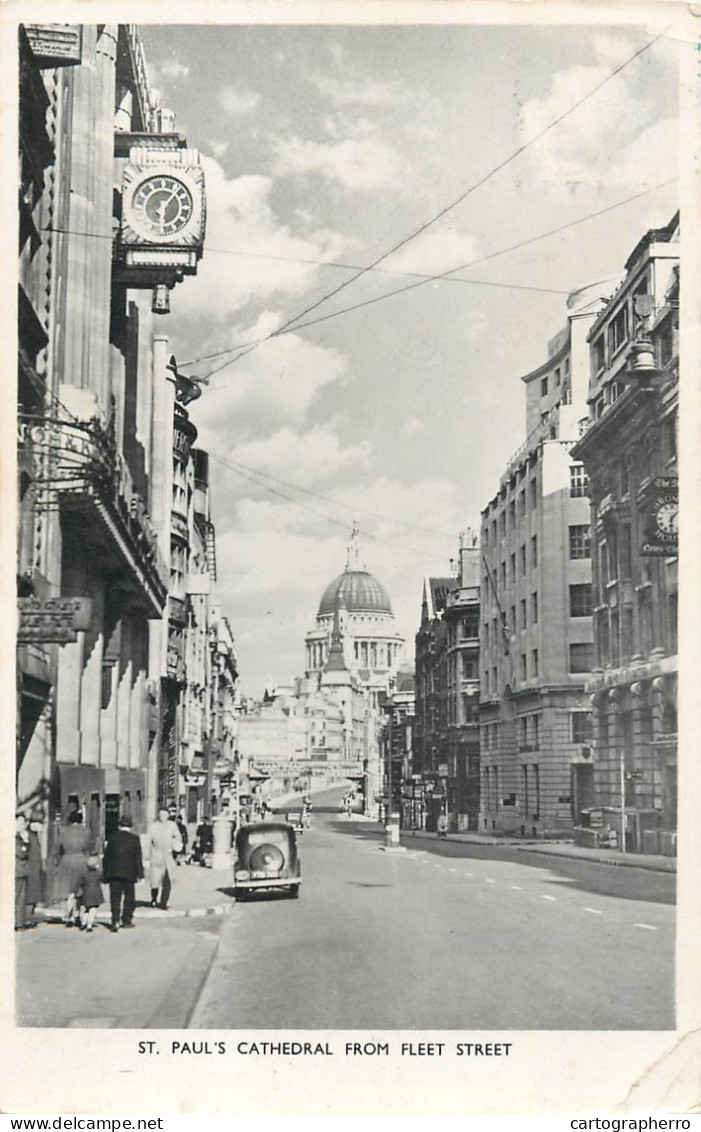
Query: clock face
[[666, 517], [162, 205]]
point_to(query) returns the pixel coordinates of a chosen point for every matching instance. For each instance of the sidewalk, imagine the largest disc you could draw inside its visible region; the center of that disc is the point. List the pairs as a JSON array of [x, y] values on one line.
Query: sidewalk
[[614, 857], [148, 978]]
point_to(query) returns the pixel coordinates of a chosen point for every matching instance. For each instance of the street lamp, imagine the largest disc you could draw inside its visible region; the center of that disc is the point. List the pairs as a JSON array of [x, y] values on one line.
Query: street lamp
[[391, 819]]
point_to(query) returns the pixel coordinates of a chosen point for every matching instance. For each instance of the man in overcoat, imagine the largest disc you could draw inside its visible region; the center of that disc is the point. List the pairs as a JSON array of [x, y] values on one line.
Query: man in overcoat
[[164, 842], [122, 867]]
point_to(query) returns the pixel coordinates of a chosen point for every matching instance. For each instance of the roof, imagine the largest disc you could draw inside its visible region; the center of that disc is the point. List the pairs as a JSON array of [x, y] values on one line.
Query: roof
[[361, 593]]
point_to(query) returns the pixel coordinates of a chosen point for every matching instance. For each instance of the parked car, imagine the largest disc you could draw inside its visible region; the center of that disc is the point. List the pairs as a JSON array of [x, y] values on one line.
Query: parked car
[[266, 857]]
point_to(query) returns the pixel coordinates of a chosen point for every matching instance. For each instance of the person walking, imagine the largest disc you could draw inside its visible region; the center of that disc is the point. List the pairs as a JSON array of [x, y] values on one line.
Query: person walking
[[164, 843], [204, 840], [89, 893], [73, 848], [21, 872], [182, 830], [122, 867], [35, 893]]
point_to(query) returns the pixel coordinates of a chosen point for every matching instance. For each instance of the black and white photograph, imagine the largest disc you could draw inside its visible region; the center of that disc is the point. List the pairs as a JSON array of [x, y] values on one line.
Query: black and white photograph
[[346, 542]]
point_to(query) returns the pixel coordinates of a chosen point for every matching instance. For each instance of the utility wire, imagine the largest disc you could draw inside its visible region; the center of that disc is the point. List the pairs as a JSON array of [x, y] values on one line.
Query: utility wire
[[463, 196], [433, 278], [327, 518], [236, 466]]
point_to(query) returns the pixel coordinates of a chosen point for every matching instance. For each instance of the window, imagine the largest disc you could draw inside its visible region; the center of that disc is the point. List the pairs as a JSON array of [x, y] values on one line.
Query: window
[[523, 744], [524, 667], [503, 575], [534, 551], [534, 494], [512, 512], [513, 619], [598, 355], [618, 331], [495, 682], [522, 505], [543, 386], [535, 720], [534, 665], [580, 545], [523, 559], [580, 600], [557, 376], [579, 481], [534, 607], [581, 657], [581, 726], [524, 614], [513, 568]]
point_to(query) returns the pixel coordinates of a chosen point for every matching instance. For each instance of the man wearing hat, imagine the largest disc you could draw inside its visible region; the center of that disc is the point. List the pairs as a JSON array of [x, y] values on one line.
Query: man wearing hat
[[122, 867]]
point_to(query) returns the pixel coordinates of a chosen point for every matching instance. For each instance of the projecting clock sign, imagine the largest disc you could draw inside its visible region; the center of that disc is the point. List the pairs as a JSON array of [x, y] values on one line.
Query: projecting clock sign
[[662, 528], [161, 235]]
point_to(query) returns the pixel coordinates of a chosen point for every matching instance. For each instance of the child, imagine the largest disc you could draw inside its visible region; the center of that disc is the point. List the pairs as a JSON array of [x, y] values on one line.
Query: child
[[89, 892]]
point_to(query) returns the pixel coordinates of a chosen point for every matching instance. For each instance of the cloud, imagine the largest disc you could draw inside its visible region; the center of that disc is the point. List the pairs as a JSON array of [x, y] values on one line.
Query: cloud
[[363, 164], [218, 148], [304, 458], [361, 91], [250, 257], [618, 137], [440, 248], [170, 70], [237, 102]]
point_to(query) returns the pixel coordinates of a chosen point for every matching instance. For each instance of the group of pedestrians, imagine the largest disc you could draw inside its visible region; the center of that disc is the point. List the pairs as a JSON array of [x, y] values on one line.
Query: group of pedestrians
[[79, 877]]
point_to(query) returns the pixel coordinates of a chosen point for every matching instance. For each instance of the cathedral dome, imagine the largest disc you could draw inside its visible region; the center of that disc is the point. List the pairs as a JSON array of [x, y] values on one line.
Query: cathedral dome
[[361, 593]]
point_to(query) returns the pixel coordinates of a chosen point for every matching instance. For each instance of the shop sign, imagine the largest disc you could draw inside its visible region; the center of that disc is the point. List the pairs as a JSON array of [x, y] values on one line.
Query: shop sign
[[55, 619], [662, 525], [59, 44]]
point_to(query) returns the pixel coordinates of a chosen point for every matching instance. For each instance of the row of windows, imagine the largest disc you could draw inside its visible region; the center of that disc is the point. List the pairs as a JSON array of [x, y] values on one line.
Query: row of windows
[[530, 733], [580, 605], [515, 512]]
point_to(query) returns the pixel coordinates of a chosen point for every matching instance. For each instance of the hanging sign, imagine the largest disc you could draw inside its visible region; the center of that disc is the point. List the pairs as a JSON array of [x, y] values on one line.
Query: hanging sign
[[55, 619]]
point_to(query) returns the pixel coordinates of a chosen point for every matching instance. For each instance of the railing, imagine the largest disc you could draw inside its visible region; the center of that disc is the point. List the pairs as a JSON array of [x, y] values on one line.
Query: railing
[[77, 459]]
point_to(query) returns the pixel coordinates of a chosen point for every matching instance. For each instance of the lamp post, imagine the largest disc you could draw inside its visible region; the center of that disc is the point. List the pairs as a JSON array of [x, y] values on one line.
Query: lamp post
[[391, 818]]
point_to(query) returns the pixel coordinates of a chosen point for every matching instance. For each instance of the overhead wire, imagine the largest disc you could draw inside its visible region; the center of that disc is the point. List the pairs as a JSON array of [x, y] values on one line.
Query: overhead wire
[[236, 465], [440, 276], [458, 200]]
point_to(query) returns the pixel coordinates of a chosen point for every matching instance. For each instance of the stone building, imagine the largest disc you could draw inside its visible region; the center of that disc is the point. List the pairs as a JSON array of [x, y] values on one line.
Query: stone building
[[536, 650], [629, 449], [111, 218]]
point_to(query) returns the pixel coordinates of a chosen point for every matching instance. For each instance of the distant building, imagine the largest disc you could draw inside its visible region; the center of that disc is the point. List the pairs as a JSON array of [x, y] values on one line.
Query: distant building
[[536, 650], [431, 722], [629, 450]]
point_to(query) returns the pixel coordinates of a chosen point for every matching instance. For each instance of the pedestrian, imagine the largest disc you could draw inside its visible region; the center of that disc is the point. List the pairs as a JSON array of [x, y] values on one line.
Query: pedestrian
[[182, 830], [35, 893], [122, 867], [204, 840], [21, 872], [73, 848], [164, 843], [89, 892], [442, 825]]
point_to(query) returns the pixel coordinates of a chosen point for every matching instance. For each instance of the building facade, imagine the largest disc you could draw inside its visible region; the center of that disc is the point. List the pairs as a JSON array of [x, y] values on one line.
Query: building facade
[[111, 218], [629, 449], [536, 646]]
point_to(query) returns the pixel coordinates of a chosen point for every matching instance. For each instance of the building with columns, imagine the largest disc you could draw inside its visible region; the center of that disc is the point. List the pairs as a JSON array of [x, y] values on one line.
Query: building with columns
[[629, 450], [111, 219]]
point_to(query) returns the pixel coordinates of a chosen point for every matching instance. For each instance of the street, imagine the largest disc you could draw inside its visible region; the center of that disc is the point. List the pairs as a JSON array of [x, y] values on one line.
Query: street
[[430, 939]]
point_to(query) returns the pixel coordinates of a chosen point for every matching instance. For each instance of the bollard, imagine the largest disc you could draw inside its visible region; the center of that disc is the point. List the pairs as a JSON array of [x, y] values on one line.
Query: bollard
[[221, 857], [392, 830]]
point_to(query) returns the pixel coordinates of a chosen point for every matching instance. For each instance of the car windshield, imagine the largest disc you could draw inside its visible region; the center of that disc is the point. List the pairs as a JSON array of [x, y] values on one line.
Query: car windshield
[[268, 837]]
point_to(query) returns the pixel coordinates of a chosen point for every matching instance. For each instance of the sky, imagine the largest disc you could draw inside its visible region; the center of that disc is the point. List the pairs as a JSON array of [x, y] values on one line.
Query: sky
[[324, 147]]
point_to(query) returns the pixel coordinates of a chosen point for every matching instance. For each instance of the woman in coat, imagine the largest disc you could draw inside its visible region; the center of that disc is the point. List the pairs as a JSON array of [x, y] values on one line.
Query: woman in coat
[[35, 894], [164, 842], [21, 872], [73, 848]]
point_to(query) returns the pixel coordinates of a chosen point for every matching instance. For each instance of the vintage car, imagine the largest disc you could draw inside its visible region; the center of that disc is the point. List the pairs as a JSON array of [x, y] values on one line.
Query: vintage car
[[265, 857]]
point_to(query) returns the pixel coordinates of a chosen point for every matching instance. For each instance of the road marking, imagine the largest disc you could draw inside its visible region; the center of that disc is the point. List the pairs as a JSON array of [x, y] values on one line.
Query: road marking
[[490, 881], [594, 911], [517, 887], [649, 927], [469, 874], [452, 870], [549, 897]]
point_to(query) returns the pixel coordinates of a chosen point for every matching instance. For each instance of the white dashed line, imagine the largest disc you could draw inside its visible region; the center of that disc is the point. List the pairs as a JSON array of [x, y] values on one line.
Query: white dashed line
[[549, 897], [649, 927], [490, 881], [469, 874], [452, 870], [594, 911], [517, 888]]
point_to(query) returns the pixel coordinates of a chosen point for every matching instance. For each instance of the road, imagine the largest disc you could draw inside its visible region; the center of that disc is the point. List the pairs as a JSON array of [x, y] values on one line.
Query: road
[[431, 940]]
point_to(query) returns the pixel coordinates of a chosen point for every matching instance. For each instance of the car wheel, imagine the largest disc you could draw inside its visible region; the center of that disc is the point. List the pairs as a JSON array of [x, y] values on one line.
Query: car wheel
[[293, 891]]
